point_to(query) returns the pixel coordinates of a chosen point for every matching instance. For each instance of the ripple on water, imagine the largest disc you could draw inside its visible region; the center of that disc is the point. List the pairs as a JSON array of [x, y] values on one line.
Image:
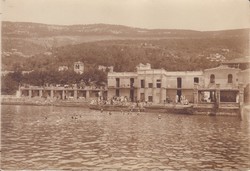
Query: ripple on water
[[106, 142]]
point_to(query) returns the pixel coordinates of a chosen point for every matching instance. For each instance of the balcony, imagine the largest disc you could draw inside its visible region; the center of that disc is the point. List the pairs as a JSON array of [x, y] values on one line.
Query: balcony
[[217, 86]]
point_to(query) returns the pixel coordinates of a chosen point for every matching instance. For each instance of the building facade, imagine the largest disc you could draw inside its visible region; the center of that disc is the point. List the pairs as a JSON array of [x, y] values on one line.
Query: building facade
[[182, 84], [153, 85], [223, 83], [63, 93]]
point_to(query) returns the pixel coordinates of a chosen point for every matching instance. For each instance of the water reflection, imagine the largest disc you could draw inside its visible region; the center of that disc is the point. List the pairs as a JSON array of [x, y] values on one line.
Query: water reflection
[[38, 137]]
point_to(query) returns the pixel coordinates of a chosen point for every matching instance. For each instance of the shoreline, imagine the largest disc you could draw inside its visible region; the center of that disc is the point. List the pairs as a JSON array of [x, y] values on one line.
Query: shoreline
[[169, 108], [43, 102]]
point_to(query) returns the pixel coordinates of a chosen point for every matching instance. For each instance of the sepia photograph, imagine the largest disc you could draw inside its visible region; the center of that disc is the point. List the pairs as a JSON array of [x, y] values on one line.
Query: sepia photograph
[[121, 85]]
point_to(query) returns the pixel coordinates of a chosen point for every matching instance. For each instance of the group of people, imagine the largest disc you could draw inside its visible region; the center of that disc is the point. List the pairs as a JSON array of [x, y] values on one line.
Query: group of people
[[118, 101], [182, 99], [125, 101]]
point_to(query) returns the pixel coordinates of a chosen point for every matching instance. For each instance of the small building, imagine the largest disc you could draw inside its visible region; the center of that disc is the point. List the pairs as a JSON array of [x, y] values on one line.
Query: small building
[[241, 63], [224, 75], [63, 68], [221, 85], [79, 67], [4, 73], [106, 68]]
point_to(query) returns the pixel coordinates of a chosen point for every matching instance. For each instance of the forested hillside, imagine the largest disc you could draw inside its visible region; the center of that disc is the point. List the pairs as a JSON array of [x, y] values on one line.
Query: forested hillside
[[49, 46], [124, 55]]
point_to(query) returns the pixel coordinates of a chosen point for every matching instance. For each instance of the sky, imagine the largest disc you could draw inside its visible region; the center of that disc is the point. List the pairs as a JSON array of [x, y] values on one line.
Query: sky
[[200, 15]]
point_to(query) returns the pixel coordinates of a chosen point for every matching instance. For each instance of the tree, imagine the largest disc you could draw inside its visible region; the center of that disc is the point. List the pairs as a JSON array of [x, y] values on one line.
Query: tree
[[9, 84]]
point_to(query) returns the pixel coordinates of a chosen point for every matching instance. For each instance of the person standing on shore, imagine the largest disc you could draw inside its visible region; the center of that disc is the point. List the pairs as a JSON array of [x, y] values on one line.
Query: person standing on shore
[[176, 98]]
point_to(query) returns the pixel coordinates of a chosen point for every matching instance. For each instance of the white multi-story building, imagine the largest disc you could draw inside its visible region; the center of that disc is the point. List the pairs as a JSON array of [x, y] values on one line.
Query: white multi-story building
[[153, 85], [158, 85]]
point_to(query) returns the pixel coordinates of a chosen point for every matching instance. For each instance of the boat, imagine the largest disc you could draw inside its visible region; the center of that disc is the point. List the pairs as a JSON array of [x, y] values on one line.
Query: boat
[[176, 109], [171, 108], [116, 108]]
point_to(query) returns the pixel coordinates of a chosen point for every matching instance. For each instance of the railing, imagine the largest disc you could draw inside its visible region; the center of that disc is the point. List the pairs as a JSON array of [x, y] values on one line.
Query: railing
[[214, 86]]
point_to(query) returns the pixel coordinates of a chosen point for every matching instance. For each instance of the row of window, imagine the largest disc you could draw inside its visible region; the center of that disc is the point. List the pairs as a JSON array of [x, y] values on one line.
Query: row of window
[[150, 85], [229, 78], [179, 81], [158, 83]]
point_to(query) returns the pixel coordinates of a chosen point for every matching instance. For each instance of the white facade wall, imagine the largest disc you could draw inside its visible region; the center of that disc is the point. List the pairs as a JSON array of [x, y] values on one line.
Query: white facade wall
[[169, 81], [187, 79], [221, 76], [244, 77]]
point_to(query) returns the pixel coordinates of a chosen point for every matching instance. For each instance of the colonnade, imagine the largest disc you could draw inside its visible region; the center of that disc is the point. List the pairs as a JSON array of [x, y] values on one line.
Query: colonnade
[[61, 92]]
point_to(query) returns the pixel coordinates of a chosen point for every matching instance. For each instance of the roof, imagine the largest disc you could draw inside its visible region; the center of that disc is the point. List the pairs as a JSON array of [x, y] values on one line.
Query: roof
[[245, 71], [221, 67], [122, 74], [245, 59]]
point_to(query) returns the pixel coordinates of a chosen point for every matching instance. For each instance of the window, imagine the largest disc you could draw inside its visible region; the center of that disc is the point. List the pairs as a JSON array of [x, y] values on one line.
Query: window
[[158, 83], [117, 82], [142, 83], [196, 80], [150, 85], [230, 78], [77, 66], [117, 93], [150, 98], [212, 78]]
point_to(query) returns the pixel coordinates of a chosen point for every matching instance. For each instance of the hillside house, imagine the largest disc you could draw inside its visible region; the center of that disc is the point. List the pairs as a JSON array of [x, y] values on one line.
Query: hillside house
[[63, 68], [79, 67], [106, 68]]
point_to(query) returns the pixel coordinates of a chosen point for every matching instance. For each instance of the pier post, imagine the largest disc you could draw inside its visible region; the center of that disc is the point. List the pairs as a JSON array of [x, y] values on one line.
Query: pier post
[[75, 94], [218, 95], [241, 93], [87, 94], [63, 95], [21, 92], [195, 93], [51, 93], [40, 93], [30, 93]]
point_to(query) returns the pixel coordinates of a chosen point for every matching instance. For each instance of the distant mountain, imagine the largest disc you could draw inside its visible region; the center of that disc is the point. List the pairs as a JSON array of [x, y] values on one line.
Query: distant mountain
[[27, 39], [40, 46], [25, 29]]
